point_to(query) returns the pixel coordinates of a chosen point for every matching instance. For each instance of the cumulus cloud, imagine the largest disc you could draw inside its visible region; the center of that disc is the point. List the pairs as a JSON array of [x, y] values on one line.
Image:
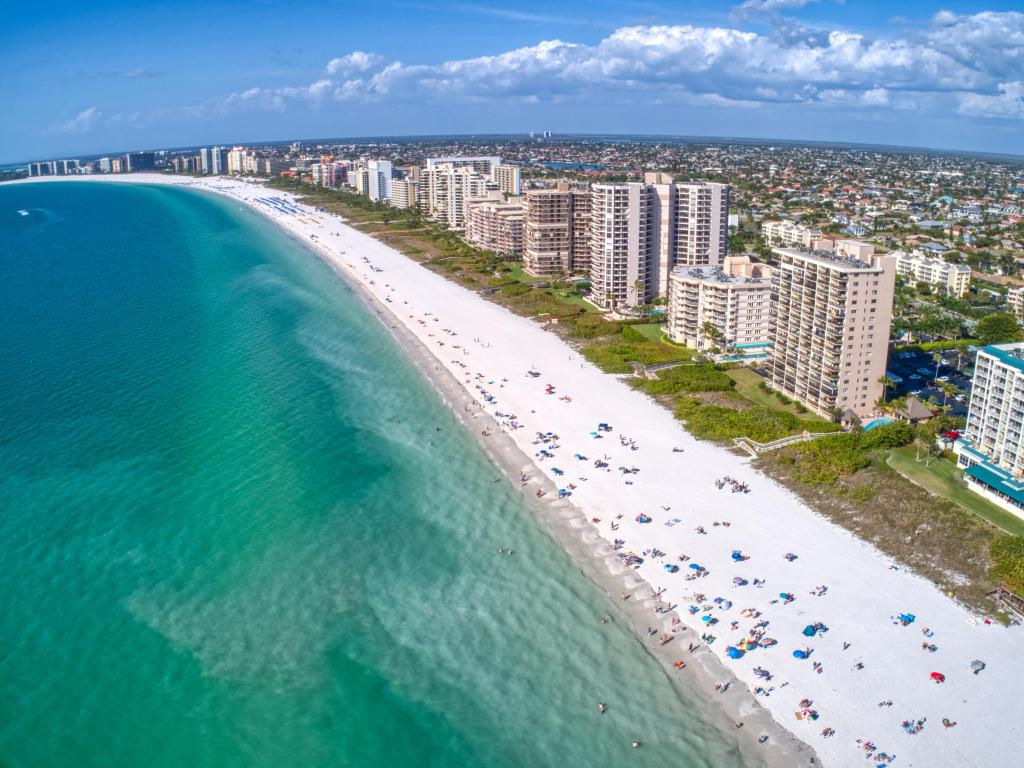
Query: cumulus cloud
[[83, 121], [357, 61], [973, 64], [769, 6], [1007, 102]]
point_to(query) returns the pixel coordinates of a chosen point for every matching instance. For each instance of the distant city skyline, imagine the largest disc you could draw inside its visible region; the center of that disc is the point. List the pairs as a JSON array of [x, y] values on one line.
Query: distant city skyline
[[115, 76]]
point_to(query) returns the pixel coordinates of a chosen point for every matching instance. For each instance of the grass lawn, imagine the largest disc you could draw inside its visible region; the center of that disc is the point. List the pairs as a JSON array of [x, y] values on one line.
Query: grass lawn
[[941, 477], [747, 385], [652, 331]]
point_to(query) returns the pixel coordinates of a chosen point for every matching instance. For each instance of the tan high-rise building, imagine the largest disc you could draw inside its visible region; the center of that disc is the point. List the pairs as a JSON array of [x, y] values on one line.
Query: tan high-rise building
[[831, 312], [507, 178], [404, 193], [727, 307], [495, 224], [701, 223], [621, 244], [556, 236]]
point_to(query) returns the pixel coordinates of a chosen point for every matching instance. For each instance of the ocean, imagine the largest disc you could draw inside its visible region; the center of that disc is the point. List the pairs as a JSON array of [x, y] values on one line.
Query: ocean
[[238, 528]]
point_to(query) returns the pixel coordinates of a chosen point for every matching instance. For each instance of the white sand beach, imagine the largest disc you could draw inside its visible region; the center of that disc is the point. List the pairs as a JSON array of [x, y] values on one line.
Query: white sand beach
[[867, 674]]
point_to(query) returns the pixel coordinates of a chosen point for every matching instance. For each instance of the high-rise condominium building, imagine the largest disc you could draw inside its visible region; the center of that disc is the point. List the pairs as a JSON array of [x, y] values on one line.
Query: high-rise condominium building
[[701, 223], [621, 244], [916, 267], [786, 233], [205, 160], [216, 161], [236, 160], [404, 193], [727, 307], [641, 231], [831, 310], [482, 165], [556, 231], [446, 187], [139, 162], [992, 451], [496, 224], [507, 178], [380, 179]]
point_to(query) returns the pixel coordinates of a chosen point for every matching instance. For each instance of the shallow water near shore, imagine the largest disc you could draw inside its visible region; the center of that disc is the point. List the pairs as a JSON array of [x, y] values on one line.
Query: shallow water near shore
[[237, 527]]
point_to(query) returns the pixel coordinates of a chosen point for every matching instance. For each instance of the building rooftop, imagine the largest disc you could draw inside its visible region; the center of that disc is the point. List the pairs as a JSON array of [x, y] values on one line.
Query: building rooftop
[[829, 258], [717, 275], [1010, 354]]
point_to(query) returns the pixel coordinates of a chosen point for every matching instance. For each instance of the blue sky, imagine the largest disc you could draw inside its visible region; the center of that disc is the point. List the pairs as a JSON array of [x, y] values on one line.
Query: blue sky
[[96, 76]]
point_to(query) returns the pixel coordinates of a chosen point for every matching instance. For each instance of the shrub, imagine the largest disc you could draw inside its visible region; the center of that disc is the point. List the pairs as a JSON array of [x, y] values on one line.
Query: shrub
[[823, 461], [702, 377], [1008, 554], [713, 422], [891, 435]]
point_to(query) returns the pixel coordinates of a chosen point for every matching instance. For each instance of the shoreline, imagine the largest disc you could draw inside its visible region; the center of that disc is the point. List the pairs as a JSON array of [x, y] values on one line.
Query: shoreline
[[595, 559], [864, 587]]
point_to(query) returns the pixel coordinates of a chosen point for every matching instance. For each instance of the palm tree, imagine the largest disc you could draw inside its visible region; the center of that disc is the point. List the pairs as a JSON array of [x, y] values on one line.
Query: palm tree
[[710, 332], [886, 382]]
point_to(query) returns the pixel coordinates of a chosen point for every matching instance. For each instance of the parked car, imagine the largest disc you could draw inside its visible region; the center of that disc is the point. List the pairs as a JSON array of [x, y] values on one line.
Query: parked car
[[916, 392], [943, 378]]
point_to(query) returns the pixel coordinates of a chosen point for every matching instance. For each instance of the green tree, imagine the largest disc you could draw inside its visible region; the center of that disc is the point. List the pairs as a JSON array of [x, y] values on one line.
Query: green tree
[[998, 327]]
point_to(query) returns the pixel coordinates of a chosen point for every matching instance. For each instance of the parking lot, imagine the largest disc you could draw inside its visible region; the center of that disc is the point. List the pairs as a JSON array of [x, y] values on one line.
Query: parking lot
[[920, 377]]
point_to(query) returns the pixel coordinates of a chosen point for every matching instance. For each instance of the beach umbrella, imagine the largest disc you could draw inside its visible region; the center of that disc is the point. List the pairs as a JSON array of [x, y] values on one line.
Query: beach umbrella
[[977, 665], [739, 581], [706, 619], [810, 630], [642, 518], [800, 654], [696, 567], [671, 568], [733, 653]]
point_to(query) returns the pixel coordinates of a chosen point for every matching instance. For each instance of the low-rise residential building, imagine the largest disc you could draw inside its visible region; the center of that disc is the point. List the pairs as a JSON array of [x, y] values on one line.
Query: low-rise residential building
[[786, 233], [725, 307], [1015, 298], [918, 267], [991, 451], [831, 312], [496, 224]]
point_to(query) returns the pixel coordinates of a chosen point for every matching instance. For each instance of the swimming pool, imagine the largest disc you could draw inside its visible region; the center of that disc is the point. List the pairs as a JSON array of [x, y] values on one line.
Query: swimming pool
[[877, 423]]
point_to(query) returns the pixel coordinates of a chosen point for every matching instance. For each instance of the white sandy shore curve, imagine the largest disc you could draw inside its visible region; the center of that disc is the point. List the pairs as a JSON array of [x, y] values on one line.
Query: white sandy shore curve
[[866, 656]]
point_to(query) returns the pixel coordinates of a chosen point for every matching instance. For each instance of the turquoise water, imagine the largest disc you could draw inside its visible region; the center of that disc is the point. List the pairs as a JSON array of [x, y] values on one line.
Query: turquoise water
[[877, 423], [238, 529]]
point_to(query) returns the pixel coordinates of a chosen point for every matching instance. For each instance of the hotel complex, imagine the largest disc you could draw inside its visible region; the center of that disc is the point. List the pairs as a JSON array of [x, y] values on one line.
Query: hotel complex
[[725, 308], [831, 312], [992, 449]]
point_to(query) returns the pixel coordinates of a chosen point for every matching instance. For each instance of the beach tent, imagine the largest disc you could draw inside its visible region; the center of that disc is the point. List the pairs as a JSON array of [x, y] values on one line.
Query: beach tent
[[737, 556], [977, 665], [938, 677], [733, 653], [642, 518], [801, 654], [906, 618], [810, 630], [696, 567], [739, 581], [671, 567]]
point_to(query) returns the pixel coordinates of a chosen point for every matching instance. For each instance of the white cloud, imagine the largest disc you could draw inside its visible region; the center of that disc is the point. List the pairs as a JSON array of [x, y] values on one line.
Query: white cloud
[[769, 6], [1008, 102], [357, 61], [83, 121], [971, 63]]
